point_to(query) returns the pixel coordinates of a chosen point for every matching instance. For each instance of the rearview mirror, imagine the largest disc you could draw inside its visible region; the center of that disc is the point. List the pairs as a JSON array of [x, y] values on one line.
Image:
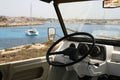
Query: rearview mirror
[[111, 3], [51, 33]]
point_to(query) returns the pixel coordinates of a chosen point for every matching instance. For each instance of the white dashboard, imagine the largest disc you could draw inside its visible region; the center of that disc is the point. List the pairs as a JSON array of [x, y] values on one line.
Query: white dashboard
[[105, 61]]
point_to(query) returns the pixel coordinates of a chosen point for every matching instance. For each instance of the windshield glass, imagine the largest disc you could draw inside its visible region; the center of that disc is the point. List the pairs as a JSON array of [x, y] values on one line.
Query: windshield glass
[[91, 17]]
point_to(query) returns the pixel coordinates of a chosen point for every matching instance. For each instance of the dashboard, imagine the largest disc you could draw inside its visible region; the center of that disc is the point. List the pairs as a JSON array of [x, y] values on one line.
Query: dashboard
[[99, 51], [101, 59]]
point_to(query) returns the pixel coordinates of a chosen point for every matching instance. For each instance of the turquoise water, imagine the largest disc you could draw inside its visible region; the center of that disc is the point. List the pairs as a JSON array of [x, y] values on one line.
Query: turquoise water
[[15, 36], [19, 32]]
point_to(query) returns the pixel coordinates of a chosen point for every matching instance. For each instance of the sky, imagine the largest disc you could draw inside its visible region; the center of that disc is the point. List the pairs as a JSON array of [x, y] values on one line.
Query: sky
[[45, 10], [90, 9], [22, 8]]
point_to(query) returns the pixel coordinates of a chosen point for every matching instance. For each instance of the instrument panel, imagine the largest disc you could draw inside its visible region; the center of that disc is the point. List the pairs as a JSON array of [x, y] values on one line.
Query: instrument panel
[[99, 51]]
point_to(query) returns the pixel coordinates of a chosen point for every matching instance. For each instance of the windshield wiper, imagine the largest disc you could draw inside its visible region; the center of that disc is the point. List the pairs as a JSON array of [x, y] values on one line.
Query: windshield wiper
[[71, 30]]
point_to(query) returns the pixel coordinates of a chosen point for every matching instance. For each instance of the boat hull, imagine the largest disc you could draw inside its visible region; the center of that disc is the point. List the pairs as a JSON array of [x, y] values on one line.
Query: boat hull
[[32, 32]]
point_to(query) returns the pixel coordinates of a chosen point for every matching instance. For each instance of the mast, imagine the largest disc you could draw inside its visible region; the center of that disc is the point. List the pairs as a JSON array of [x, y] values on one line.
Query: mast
[[31, 14]]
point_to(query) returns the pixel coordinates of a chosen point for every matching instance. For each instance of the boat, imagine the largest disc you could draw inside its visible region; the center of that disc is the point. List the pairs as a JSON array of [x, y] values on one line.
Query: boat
[[32, 32]]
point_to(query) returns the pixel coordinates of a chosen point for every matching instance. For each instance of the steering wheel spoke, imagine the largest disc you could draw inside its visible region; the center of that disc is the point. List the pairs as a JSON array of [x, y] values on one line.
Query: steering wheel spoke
[[55, 53]]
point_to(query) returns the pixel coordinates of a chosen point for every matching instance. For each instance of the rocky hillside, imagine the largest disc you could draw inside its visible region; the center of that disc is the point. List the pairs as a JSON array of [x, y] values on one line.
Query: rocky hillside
[[20, 21]]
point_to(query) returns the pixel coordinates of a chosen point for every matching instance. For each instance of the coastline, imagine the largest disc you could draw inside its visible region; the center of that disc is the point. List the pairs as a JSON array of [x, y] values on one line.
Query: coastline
[[3, 24], [8, 21]]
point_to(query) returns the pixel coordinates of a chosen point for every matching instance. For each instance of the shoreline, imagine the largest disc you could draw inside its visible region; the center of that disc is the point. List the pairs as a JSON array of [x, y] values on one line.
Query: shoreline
[[4, 24], [7, 21], [20, 24]]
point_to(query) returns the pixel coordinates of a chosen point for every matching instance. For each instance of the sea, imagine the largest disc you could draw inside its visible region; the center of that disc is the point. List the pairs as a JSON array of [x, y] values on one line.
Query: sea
[[16, 35]]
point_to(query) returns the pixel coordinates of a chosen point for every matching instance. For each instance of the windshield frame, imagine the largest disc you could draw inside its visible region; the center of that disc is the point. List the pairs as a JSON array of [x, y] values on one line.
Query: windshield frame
[[60, 18], [64, 29]]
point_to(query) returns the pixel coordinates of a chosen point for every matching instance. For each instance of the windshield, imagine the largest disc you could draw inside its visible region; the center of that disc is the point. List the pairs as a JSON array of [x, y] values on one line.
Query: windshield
[[91, 17]]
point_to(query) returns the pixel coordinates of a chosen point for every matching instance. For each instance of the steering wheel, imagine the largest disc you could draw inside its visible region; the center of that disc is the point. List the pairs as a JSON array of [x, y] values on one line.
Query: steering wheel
[[69, 50]]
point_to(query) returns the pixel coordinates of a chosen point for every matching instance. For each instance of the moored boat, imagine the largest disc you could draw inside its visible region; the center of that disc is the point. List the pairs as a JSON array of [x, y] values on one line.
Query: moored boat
[[32, 32]]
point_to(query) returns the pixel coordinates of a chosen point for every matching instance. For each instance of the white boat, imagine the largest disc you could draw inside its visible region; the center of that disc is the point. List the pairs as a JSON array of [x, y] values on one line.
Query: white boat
[[32, 32]]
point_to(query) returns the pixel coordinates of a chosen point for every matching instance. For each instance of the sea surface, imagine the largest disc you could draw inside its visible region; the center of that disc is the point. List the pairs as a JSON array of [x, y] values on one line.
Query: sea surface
[[15, 36]]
